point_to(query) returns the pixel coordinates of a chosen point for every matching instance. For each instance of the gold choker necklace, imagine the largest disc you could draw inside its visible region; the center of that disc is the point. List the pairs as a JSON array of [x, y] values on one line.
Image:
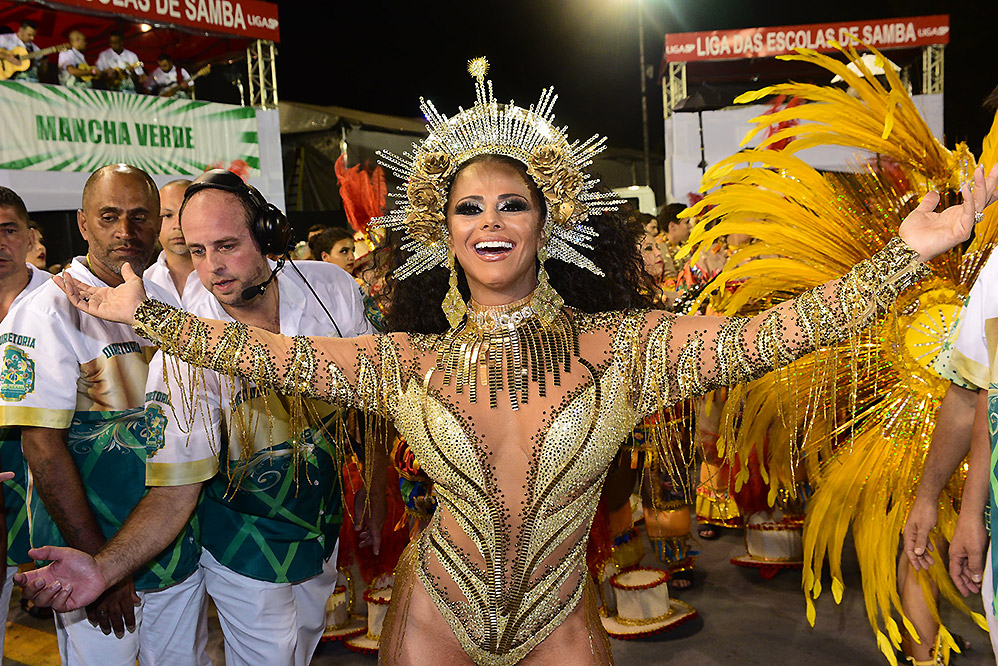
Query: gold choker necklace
[[507, 345]]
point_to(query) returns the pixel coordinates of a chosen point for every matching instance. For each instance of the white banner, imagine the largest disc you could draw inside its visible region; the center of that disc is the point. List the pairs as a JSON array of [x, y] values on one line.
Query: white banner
[[724, 129], [54, 128], [53, 137]]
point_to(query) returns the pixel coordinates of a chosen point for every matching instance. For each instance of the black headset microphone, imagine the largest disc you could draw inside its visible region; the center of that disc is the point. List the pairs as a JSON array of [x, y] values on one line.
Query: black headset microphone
[[249, 293], [269, 227]]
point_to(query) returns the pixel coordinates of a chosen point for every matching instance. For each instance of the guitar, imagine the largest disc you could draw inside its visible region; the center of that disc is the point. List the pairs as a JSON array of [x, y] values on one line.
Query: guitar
[[89, 72], [171, 90], [8, 69], [115, 76]]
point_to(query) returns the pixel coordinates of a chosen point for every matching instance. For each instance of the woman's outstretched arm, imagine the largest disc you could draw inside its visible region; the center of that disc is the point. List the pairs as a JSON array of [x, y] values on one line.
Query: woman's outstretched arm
[[688, 356], [357, 372]]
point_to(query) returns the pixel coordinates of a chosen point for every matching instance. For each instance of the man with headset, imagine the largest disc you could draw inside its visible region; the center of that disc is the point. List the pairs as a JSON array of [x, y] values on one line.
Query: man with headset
[[271, 508]]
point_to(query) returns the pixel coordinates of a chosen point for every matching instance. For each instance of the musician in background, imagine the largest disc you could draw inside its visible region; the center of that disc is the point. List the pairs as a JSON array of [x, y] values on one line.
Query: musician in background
[[74, 72], [169, 80], [23, 38], [121, 68]]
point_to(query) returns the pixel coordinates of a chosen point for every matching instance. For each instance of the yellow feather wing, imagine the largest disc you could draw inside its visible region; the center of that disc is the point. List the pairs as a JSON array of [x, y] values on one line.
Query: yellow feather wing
[[855, 419]]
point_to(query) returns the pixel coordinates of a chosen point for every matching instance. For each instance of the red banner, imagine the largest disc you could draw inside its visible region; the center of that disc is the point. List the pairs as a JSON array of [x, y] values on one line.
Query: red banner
[[769, 42], [244, 18]]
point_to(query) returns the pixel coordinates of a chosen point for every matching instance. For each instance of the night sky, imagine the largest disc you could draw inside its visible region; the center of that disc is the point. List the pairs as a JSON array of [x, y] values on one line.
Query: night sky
[[380, 57]]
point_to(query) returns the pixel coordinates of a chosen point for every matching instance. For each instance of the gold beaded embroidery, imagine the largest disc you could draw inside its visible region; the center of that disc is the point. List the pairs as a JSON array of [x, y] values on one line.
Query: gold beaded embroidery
[[511, 346], [504, 589]]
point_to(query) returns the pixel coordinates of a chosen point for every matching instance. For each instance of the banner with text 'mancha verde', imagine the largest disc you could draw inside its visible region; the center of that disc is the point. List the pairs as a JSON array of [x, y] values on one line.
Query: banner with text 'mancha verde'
[[53, 128]]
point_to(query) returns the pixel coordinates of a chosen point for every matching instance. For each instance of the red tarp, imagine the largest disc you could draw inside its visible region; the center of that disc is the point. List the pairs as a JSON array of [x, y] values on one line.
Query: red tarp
[[253, 19]]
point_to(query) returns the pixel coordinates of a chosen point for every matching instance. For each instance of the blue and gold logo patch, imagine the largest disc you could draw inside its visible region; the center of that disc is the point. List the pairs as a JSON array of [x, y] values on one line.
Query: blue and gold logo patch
[[18, 379]]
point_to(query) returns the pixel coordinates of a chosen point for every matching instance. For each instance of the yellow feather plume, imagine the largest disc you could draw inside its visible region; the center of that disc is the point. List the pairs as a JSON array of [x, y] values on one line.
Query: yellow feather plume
[[855, 420]]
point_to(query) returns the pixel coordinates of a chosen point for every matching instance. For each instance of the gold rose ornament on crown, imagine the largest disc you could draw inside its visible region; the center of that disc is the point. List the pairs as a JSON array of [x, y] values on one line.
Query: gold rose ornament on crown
[[528, 135]]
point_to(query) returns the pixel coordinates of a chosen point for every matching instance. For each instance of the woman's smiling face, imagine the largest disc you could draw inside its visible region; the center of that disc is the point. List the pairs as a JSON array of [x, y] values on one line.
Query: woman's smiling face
[[495, 218]]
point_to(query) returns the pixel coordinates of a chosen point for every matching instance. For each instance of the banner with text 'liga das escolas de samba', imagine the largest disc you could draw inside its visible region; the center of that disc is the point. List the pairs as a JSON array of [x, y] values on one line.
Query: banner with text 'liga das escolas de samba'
[[53, 128]]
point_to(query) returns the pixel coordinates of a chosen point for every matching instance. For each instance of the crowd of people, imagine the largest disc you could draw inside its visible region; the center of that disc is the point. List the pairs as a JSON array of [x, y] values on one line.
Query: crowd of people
[[508, 369], [115, 68], [87, 441]]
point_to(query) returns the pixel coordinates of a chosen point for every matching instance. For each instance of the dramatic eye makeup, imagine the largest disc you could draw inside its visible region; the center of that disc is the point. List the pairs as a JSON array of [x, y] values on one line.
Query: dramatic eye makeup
[[469, 207], [514, 205]]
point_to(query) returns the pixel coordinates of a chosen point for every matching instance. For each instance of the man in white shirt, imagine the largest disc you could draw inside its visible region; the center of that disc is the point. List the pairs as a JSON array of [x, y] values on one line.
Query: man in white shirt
[[75, 385], [270, 511], [17, 277], [173, 269], [169, 80], [120, 67], [23, 38], [17, 280], [74, 72]]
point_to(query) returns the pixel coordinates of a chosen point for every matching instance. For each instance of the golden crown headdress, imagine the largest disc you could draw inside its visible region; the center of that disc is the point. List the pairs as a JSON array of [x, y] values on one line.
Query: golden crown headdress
[[527, 135]]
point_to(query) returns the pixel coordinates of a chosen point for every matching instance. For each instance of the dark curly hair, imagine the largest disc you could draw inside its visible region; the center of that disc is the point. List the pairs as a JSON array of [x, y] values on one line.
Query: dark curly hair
[[413, 305]]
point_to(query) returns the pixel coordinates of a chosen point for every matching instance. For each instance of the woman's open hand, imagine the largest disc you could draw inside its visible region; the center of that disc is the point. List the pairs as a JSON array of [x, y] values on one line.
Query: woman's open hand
[[117, 304], [930, 233]]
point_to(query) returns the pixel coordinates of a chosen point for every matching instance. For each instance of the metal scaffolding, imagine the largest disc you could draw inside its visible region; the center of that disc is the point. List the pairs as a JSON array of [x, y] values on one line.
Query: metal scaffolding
[[932, 69], [673, 90], [675, 87], [261, 60]]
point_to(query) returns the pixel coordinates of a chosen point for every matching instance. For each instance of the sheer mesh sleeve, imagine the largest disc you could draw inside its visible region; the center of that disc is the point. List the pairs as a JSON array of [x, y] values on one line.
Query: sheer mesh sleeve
[[688, 356], [363, 372]]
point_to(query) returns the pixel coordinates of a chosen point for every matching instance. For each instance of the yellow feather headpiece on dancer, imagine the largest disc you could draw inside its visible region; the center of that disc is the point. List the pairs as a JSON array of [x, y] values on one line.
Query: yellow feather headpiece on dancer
[[861, 428]]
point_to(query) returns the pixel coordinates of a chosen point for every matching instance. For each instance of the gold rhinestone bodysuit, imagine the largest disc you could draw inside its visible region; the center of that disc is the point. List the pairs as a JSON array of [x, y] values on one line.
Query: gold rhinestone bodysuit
[[503, 558]]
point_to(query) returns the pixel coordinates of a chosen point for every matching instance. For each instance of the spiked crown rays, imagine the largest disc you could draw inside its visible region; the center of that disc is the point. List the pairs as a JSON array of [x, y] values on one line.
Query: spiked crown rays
[[527, 135]]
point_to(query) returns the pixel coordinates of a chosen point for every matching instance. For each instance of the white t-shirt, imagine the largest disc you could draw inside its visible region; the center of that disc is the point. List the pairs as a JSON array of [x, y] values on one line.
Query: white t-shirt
[[72, 362], [71, 58], [11, 41], [971, 357], [108, 59], [160, 79], [191, 440], [159, 274], [38, 278]]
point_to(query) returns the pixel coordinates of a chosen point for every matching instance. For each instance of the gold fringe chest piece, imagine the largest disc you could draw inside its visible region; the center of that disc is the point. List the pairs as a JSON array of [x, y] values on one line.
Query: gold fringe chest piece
[[508, 346]]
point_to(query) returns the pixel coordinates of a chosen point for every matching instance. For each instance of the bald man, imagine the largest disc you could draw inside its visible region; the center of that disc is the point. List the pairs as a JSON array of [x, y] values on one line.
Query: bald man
[[86, 440], [74, 71], [173, 270]]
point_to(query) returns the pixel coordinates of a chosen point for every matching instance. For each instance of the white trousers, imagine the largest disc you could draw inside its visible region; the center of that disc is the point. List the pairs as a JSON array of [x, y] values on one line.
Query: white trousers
[[171, 628], [277, 624], [8, 586], [988, 597]]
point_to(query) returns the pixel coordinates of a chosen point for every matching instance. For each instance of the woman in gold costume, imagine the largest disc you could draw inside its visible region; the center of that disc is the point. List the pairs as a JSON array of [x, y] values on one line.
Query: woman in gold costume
[[517, 404]]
